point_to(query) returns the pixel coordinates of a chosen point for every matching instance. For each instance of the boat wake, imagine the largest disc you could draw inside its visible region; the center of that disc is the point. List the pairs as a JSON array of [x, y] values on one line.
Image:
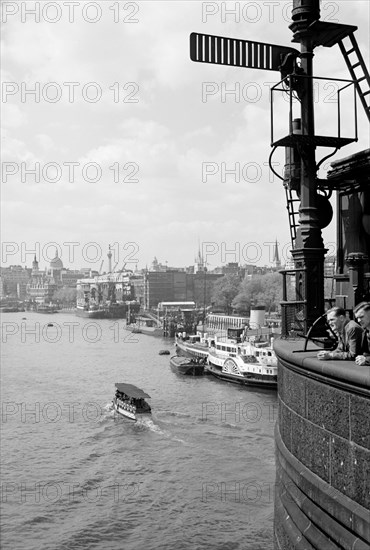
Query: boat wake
[[141, 424], [108, 412], [150, 425], [166, 414]]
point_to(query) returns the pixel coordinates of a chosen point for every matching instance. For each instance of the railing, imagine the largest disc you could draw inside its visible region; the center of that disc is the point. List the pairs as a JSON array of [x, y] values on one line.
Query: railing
[[293, 317]]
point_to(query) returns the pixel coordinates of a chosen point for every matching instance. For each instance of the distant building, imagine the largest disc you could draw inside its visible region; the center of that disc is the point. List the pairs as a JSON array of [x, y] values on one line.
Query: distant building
[[41, 288], [164, 286], [44, 283], [69, 278], [153, 287], [14, 280], [157, 267], [88, 272]]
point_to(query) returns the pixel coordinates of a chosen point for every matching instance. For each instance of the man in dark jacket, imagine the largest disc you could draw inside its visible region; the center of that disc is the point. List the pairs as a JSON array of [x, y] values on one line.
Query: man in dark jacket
[[362, 314], [349, 336]]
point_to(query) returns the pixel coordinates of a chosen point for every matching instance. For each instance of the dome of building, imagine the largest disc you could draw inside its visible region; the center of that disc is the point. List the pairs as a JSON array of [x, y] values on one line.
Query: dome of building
[[56, 263]]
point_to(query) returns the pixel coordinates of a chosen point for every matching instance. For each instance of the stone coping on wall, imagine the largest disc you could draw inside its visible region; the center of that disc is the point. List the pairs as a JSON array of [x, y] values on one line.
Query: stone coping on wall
[[345, 374]]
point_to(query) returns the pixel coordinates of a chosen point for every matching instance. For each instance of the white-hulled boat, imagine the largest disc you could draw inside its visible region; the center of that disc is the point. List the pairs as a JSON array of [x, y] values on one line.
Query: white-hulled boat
[[145, 325], [249, 362], [195, 345], [129, 401]]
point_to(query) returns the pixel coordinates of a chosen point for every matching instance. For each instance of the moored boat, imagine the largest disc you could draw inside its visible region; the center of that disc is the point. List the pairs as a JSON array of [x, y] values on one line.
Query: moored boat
[[250, 362], [129, 401], [91, 312], [145, 325], [193, 346], [188, 365], [46, 308]]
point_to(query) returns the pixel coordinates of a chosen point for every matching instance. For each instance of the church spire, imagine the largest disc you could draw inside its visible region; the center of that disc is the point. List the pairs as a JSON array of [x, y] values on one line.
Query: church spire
[[276, 259], [35, 264], [199, 260], [109, 260]]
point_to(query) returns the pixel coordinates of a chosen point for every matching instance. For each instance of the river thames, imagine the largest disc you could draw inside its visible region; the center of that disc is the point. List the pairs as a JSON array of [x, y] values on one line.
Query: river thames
[[199, 475]]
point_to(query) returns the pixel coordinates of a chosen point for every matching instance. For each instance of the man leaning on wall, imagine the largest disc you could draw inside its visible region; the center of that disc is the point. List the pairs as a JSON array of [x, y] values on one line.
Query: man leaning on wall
[[349, 335], [362, 314]]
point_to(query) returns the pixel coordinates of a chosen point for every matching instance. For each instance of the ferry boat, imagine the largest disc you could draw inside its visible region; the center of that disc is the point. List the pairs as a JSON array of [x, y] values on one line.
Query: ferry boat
[[188, 365], [46, 308], [91, 311], [11, 309], [145, 325], [250, 362], [195, 345], [129, 401]]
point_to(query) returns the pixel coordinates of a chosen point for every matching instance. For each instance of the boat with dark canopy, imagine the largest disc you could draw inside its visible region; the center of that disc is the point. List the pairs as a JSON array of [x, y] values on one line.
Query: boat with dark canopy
[[129, 401]]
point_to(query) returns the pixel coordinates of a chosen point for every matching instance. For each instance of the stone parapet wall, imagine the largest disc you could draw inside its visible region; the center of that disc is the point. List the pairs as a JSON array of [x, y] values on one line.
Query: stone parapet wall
[[322, 496]]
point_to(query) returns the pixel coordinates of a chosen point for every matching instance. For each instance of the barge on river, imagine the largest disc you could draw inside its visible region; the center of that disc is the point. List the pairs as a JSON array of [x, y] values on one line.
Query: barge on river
[[188, 365]]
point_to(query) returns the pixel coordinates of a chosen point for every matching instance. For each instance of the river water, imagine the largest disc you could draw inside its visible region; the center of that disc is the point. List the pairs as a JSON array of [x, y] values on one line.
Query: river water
[[199, 475]]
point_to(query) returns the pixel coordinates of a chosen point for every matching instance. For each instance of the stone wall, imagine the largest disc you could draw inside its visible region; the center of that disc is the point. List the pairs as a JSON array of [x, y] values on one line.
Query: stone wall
[[322, 498]]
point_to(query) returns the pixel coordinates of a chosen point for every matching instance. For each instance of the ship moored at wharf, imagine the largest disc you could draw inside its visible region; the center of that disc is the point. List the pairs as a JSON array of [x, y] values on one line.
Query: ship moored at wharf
[[145, 324], [249, 363], [322, 496], [235, 358], [195, 345], [46, 308], [166, 321], [107, 296]]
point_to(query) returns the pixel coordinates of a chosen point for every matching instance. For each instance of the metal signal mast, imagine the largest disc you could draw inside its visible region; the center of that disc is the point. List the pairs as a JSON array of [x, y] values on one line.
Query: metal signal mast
[[296, 68]]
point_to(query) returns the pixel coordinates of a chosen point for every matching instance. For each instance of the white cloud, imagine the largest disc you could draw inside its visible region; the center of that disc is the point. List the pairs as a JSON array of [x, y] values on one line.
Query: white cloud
[[170, 132], [13, 116]]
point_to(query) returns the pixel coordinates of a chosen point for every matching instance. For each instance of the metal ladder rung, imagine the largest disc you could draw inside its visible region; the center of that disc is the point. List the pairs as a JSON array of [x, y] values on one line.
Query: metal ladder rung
[[351, 67], [293, 215]]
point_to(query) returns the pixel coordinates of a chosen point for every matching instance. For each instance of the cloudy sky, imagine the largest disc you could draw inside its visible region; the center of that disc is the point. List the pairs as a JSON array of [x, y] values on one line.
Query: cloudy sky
[[111, 135]]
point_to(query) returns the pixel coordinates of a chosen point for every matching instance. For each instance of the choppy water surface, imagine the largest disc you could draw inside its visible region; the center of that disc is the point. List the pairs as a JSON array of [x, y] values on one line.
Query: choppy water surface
[[199, 475]]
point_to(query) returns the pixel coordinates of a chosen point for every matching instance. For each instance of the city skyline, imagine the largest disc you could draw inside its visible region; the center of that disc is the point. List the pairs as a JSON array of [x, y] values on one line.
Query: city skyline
[[110, 142], [109, 259]]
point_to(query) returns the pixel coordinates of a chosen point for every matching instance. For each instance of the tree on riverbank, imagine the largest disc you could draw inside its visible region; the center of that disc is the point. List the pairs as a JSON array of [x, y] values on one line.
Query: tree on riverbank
[[65, 296], [225, 290], [265, 290]]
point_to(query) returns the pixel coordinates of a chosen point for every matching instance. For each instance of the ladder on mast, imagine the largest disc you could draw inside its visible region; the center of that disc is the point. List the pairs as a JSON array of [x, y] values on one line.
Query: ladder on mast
[[293, 214], [353, 63]]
